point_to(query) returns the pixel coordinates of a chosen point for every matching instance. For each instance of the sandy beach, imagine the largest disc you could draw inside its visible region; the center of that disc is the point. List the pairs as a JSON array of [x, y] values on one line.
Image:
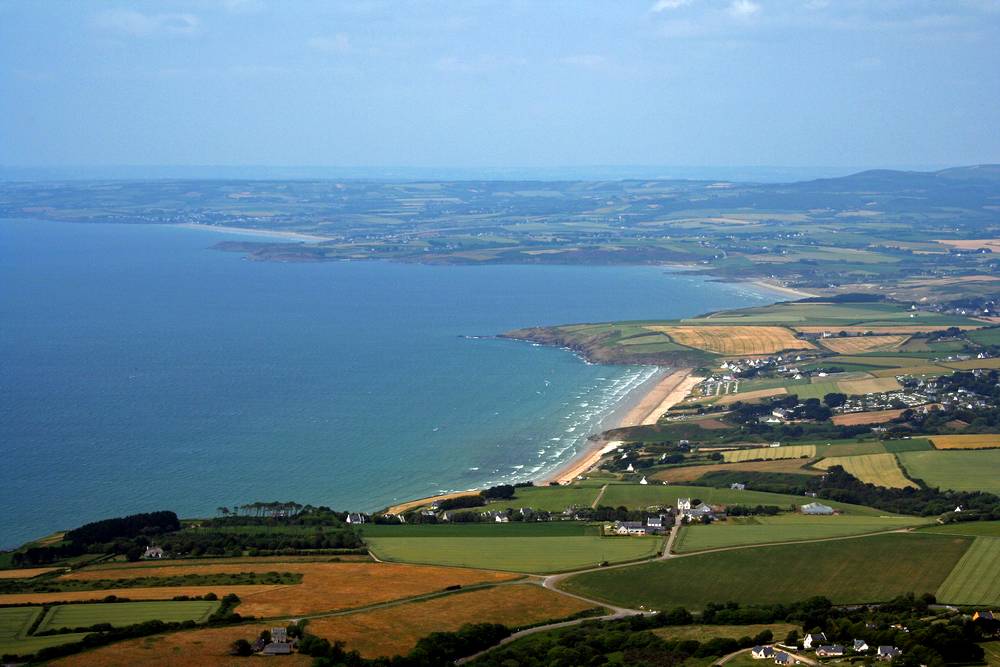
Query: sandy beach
[[668, 392], [800, 294], [247, 231]]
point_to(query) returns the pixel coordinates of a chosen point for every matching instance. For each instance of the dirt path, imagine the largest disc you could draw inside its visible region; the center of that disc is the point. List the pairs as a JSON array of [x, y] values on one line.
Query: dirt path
[[599, 496]]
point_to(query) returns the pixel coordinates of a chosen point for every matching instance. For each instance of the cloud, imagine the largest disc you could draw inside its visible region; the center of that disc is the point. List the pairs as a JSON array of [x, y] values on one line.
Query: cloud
[[339, 43], [137, 24], [584, 60], [667, 5], [743, 9]]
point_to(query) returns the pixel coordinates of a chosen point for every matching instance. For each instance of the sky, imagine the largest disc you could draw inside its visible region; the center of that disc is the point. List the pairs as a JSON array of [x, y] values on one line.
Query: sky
[[474, 84]]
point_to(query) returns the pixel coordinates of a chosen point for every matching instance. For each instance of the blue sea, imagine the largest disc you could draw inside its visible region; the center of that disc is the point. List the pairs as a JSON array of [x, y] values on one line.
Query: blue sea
[[141, 370]]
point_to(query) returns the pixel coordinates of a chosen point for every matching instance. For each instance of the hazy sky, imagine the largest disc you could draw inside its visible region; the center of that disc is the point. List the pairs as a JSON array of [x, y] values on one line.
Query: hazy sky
[[468, 83]]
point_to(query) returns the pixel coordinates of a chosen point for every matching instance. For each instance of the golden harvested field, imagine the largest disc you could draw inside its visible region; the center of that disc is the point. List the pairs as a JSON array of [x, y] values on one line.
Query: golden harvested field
[[395, 630], [735, 340], [979, 441], [888, 329], [193, 648], [153, 593], [27, 572], [691, 473], [859, 344], [193, 562], [878, 469], [971, 244], [768, 453], [324, 587], [745, 396], [872, 386], [855, 418]]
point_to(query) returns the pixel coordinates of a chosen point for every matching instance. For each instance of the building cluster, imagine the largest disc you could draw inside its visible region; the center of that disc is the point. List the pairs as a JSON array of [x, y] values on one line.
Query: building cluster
[[278, 643], [818, 644]]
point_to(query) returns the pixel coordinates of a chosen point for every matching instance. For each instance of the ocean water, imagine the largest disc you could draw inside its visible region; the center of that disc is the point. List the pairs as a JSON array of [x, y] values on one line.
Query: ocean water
[[140, 370]]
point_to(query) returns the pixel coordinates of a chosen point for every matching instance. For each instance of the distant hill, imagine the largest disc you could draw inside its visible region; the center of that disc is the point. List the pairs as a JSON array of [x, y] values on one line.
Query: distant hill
[[890, 180]]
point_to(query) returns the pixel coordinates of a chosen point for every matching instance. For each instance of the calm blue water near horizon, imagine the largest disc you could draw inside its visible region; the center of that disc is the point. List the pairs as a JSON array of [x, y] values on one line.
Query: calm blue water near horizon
[[140, 370]]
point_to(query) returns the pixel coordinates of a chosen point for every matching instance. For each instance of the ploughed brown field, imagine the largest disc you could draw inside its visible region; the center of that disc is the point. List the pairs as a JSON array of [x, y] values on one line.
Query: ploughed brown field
[[395, 630], [735, 340], [324, 586]]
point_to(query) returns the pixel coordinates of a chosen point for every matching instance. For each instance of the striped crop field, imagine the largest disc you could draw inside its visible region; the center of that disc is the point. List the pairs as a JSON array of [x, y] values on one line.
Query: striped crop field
[[976, 577], [861, 344], [878, 469], [770, 453]]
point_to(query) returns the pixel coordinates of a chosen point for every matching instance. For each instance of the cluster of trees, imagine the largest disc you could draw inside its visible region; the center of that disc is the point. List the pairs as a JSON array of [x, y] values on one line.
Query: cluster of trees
[[772, 482], [438, 648], [277, 514], [841, 486], [126, 535], [219, 543], [57, 585], [754, 510]]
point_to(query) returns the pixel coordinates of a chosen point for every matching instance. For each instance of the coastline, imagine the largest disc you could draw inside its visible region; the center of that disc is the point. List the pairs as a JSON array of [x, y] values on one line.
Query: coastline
[[249, 231], [666, 393], [781, 289]]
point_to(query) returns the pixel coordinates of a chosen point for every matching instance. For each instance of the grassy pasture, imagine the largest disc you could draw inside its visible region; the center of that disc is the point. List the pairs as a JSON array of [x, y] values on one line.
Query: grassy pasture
[[976, 577], [877, 469], [861, 344], [770, 453], [30, 645], [153, 593], [16, 621], [971, 364], [977, 441], [682, 474], [395, 630], [735, 340], [552, 498], [504, 530], [703, 633], [911, 445], [989, 336], [125, 613], [961, 470], [741, 531], [515, 554], [992, 650], [840, 570], [970, 528], [635, 496]]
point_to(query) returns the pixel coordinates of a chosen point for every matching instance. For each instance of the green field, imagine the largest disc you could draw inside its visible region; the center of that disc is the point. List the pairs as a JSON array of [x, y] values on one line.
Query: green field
[[15, 623], [551, 498], [638, 496], [822, 314], [866, 569], [970, 528], [976, 577], [961, 470], [911, 445], [738, 531], [125, 613], [992, 650], [515, 554], [513, 529]]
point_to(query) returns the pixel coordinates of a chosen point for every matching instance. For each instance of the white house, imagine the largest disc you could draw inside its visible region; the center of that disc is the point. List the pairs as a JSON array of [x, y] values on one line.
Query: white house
[[813, 640], [761, 652], [832, 651], [355, 518], [860, 646], [643, 481], [629, 528], [683, 504], [153, 552], [816, 508]]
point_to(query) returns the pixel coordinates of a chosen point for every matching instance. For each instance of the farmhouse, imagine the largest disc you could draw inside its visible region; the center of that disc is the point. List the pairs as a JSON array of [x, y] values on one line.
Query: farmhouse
[[834, 650], [153, 552], [629, 528], [761, 652], [888, 652], [738, 486], [782, 658], [683, 504], [655, 523], [355, 518], [816, 508], [860, 646], [809, 640]]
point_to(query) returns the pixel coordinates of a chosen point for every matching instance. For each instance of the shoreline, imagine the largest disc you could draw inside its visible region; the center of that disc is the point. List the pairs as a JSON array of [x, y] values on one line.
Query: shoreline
[[249, 231], [781, 289], [666, 393]]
